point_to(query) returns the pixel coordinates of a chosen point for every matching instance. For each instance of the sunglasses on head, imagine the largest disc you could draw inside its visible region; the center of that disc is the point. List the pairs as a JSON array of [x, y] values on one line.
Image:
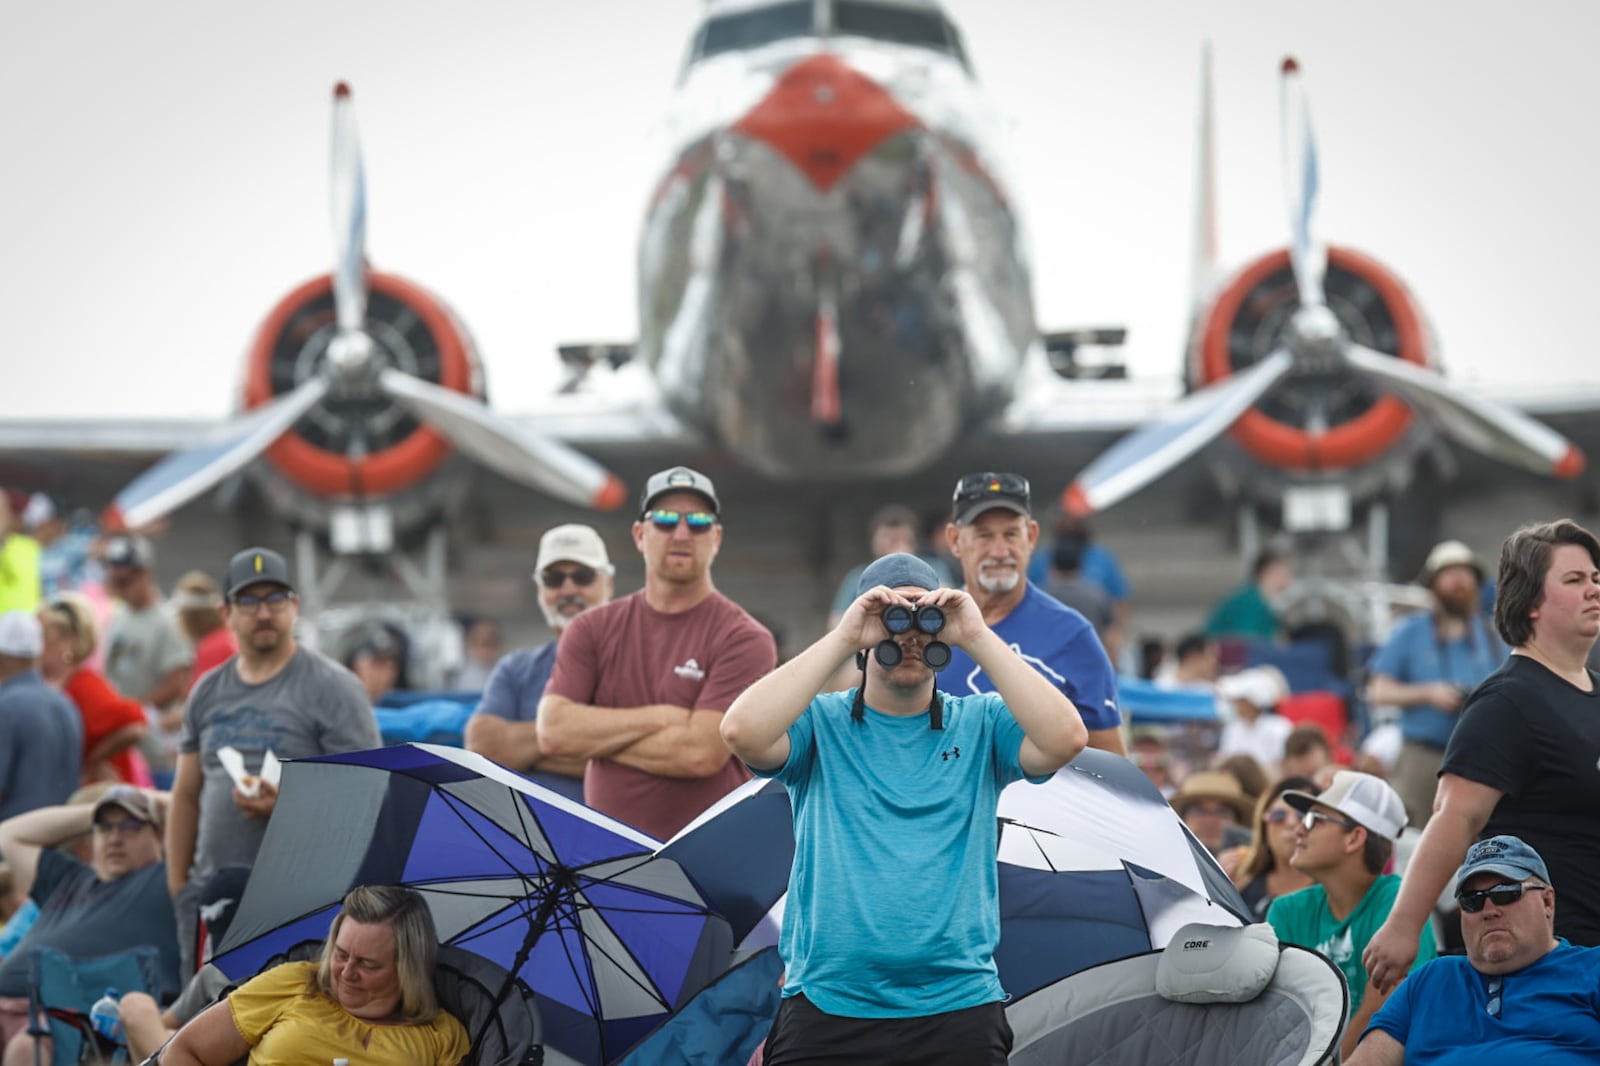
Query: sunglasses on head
[[663, 519], [552, 577], [980, 486], [1499, 895]]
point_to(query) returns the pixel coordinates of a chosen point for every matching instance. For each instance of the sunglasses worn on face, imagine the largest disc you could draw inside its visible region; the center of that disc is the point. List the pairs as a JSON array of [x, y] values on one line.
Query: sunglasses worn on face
[[275, 601], [1279, 816], [980, 486], [667, 521], [1499, 895], [1310, 819], [582, 576]]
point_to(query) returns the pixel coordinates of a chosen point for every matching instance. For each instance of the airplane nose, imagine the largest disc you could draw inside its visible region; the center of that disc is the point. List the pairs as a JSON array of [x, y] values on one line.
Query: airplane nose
[[824, 116]]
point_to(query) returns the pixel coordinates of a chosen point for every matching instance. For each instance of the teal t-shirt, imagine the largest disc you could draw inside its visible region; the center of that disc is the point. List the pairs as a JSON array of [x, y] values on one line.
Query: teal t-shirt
[[1303, 918], [1244, 615], [893, 908]]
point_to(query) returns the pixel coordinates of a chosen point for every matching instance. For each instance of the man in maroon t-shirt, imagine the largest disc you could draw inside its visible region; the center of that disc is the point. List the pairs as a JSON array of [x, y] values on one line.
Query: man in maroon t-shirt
[[640, 683]]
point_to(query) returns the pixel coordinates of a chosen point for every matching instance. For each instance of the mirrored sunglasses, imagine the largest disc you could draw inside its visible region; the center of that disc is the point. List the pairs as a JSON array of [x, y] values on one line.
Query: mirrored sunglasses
[[553, 577], [1499, 895], [1310, 819], [667, 521]]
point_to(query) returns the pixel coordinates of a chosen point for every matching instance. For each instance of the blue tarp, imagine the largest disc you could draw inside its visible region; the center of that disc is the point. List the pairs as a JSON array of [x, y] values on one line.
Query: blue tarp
[[1141, 702]]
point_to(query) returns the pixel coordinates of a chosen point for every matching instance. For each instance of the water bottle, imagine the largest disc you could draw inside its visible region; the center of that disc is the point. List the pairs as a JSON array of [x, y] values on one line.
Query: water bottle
[[106, 1016]]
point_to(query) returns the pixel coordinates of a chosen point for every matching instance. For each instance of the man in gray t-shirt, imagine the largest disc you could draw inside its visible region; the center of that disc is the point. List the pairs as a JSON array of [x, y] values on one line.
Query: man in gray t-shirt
[[274, 695]]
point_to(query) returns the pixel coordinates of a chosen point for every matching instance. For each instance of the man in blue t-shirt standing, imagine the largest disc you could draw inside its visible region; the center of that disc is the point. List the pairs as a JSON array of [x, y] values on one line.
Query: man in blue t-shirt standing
[[574, 573], [893, 909], [992, 533], [1427, 666]]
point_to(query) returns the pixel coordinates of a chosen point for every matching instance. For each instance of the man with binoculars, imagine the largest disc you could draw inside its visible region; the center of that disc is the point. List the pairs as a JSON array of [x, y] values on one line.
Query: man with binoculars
[[893, 915]]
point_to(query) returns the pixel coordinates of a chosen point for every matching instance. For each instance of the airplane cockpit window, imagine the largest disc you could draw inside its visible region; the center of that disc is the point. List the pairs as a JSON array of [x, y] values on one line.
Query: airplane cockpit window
[[753, 28], [921, 27]]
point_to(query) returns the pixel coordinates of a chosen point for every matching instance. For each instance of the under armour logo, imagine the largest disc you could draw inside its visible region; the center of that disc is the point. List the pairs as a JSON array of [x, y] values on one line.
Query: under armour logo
[[953, 753]]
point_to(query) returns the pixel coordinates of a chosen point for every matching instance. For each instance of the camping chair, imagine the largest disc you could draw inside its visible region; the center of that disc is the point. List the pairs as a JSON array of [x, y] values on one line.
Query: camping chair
[[1215, 996], [504, 1033], [62, 989]]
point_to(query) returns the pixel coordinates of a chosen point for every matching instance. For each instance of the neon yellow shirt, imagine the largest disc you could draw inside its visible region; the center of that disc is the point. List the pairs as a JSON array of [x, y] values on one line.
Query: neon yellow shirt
[[288, 1022], [19, 573]]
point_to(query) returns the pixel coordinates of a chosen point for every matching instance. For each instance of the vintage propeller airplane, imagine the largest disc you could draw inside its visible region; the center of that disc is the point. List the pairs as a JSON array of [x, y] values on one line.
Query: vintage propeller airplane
[[834, 288]]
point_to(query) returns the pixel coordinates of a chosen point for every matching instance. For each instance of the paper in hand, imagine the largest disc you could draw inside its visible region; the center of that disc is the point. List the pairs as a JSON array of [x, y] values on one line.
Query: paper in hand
[[247, 783]]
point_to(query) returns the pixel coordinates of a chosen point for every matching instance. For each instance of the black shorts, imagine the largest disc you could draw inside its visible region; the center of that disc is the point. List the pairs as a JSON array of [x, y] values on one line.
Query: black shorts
[[802, 1035]]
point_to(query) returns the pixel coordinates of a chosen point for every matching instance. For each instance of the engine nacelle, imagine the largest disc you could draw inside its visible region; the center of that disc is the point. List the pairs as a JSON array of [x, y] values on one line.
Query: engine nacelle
[[1319, 418], [358, 444]]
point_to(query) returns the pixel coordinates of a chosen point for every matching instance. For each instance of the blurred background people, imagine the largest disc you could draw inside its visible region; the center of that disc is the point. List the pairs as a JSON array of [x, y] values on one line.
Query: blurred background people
[[113, 724], [41, 736], [482, 646], [892, 528], [147, 658], [1260, 869], [378, 661], [1250, 612], [1427, 666], [19, 560], [198, 598], [1255, 730], [1210, 802]]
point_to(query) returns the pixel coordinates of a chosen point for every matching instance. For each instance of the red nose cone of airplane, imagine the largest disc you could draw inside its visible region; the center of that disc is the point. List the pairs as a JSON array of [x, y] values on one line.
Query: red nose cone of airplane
[[823, 117]]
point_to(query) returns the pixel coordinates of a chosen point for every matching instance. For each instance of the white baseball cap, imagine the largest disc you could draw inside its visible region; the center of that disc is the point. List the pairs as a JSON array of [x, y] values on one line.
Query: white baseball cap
[[1263, 686], [572, 543], [21, 636], [1364, 799]]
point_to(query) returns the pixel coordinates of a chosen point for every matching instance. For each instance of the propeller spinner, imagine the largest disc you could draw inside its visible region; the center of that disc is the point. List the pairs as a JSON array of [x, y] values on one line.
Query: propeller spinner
[[355, 372], [1315, 347]]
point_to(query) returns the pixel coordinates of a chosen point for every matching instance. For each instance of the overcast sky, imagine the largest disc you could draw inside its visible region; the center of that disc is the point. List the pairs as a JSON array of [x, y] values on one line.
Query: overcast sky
[[165, 175]]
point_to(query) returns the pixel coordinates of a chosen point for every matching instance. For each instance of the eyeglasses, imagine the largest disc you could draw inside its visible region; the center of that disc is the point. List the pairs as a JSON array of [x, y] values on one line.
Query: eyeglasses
[[127, 827], [1310, 819], [1499, 895], [980, 486], [1495, 984], [275, 601], [582, 576], [1278, 816], [667, 521]]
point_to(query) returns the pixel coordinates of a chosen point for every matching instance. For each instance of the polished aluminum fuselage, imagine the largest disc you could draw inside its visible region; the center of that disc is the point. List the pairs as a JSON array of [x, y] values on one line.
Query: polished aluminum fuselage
[[910, 268]]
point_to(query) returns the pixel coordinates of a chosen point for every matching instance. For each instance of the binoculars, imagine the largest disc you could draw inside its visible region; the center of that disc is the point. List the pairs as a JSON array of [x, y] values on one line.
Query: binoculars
[[897, 619]]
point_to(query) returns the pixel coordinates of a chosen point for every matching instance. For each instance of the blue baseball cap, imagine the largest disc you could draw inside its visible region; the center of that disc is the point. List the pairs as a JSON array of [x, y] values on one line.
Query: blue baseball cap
[[1506, 856], [895, 570]]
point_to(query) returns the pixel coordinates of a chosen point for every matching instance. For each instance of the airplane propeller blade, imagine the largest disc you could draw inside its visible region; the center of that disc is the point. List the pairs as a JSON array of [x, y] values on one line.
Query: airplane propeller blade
[[1302, 180], [182, 476], [498, 443], [348, 178], [1493, 429], [1192, 423]]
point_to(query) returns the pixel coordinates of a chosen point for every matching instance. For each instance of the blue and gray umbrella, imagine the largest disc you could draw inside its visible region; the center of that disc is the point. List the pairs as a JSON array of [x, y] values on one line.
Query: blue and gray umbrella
[[1094, 865], [609, 937]]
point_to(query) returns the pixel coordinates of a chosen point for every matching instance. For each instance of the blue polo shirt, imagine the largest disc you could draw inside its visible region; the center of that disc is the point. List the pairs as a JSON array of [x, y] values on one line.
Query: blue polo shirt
[[515, 686], [1414, 654], [1058, 642]]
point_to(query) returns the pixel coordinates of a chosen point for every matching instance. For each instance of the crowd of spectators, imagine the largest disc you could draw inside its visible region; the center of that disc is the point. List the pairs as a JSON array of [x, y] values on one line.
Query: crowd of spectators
[[1339, 813]]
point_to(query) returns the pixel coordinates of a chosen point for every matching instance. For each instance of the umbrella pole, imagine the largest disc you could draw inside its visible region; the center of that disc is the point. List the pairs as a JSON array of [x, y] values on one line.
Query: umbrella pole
[[559, 881]]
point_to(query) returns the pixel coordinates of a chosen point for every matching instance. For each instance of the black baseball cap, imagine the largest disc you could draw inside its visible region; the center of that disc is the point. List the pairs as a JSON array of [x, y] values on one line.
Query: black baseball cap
[[129, 550], [254, 566], [977, 493], [678, 479]]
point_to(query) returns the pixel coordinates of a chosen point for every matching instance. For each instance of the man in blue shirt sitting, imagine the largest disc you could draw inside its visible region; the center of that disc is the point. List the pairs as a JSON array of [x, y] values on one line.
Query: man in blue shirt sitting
[[992, 533], [574, 573], [1521, 994]]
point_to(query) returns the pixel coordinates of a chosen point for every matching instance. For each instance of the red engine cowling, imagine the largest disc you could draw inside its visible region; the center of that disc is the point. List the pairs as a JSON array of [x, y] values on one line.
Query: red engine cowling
[[1318, 418], [357, 442]]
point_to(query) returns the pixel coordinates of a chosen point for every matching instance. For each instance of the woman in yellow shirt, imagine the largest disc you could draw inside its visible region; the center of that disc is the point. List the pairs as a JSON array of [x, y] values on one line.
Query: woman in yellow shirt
[[369, 999]]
